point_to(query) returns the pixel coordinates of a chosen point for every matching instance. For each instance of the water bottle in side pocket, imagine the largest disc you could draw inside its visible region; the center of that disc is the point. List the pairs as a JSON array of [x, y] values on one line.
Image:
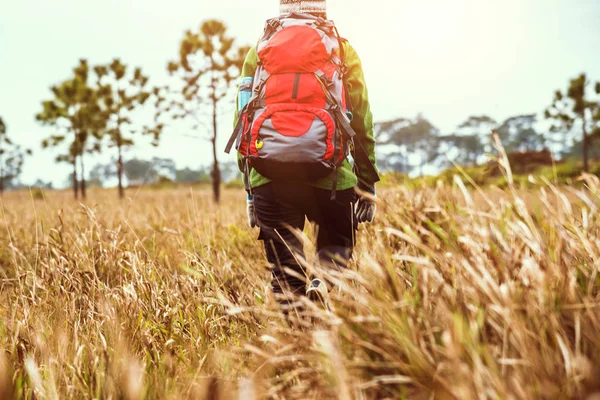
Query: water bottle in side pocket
[[245, 92]]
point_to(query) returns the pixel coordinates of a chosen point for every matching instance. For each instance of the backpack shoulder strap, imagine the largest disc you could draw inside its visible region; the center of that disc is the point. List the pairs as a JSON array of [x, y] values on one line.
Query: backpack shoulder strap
[[272, 26], [344, 67]]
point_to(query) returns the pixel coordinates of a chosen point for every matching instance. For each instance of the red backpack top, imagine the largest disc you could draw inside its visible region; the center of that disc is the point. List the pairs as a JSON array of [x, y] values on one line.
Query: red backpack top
[[296, 124]]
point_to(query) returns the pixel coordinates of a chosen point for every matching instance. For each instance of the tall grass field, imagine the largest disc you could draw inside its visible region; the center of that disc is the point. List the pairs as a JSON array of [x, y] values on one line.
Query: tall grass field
[[455, 292]]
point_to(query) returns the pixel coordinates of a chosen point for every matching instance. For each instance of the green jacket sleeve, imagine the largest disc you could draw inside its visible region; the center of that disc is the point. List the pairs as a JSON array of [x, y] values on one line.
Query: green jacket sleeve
[[363, 118], [248, 70]]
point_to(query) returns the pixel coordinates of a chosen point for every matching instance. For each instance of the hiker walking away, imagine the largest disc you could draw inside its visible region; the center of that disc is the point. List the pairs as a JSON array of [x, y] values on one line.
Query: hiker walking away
[[303, 109]]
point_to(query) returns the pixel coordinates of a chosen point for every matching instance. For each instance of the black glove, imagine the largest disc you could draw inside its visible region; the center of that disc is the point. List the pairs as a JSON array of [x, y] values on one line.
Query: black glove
[[366, 207]]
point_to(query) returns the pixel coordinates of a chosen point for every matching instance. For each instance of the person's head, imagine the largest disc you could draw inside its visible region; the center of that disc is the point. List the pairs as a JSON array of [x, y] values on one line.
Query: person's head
[[315, 7]]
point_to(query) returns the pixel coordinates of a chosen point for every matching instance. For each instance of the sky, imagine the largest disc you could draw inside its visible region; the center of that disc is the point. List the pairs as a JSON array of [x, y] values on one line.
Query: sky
[[444, 59]]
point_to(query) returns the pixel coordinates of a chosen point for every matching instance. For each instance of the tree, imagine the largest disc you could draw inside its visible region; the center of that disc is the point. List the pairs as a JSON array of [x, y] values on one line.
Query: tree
[[463, 149], [11, 159], [187, 175], [121, 92], [139, 171], [518, 134], [573, 111], [472, 139], [164, 167], [100, 173], [90, 120], [159, 96], [209, 62], [75, 113], [53, 113], [392, 148], [409, 144]]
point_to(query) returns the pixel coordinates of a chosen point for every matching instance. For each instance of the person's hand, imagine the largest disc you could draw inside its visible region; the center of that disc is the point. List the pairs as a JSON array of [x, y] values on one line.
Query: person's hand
[[250, 212], [366, 207]]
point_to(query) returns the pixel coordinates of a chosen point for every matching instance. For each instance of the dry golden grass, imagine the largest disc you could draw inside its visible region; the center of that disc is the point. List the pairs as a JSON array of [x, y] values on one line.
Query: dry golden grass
[[165, 295]]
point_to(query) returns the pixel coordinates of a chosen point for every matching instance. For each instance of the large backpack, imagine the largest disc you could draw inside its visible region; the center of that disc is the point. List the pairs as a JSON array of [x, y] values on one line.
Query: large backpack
[[297, 122]]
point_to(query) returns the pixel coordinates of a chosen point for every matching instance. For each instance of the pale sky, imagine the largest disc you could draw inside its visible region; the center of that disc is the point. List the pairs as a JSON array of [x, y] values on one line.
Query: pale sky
[[445, 59]]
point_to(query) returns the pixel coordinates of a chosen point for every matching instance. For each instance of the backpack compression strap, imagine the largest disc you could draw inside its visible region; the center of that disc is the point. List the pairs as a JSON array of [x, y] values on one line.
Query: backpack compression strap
[[346, 128], [255, 102]]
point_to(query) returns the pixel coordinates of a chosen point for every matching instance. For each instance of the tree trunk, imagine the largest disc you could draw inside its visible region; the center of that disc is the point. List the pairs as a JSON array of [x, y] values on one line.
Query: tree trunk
[[216, 173], [120, 150], [120, 168], [75, 182], [83, 188], [585, 145]]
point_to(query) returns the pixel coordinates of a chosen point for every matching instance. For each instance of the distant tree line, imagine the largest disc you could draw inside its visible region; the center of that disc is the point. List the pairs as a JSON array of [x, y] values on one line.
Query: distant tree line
[[410, 145], [139, 172]]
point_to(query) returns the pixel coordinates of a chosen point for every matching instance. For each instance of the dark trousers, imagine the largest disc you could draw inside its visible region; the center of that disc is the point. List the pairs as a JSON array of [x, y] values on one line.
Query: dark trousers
[[281, 209]]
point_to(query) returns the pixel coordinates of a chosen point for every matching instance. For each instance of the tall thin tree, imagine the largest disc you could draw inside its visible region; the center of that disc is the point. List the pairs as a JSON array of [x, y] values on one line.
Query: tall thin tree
[[122, 90], [573, 111], [209, 62], [75, 113], [60, 114]]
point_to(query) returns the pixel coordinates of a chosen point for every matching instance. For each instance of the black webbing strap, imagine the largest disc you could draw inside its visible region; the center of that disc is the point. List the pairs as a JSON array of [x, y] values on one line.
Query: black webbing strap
[[343, 123], [371, 172], [247, 177], [237, 131], [346, 129]]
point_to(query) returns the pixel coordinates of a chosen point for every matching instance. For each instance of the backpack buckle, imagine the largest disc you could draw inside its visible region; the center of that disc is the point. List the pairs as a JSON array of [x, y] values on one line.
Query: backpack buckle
[[273, 24], [323, 79], [343, 69]]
